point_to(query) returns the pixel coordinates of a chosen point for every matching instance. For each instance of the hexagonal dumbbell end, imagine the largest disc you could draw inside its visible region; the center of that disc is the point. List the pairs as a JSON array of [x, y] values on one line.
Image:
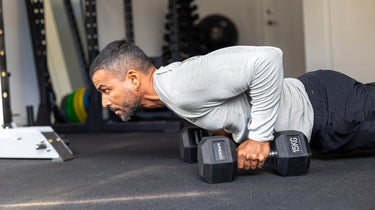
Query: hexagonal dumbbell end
[[291, 153], [190, 138], [217, 159]]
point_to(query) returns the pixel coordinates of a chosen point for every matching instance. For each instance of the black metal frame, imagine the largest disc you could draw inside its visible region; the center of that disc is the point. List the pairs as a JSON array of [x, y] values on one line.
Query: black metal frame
[[129, 20], [35, 11], [94, 120], [7, 112]]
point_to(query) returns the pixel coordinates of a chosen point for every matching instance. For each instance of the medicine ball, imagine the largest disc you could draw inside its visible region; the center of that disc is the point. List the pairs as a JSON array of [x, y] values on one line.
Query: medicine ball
[[217, 31]]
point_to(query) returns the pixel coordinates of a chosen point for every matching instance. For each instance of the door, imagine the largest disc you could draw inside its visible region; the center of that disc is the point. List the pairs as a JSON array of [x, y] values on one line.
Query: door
[[282, 26]]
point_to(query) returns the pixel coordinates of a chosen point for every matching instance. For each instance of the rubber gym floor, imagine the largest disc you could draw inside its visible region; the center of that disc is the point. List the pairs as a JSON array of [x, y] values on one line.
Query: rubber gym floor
[[144, 171]]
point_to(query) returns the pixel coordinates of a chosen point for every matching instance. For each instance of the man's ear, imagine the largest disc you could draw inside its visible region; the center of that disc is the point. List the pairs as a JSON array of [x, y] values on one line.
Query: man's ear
[[134, 78]]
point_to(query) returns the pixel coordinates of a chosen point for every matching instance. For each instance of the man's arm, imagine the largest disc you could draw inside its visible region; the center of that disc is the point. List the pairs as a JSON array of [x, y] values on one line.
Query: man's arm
[[265, 92]]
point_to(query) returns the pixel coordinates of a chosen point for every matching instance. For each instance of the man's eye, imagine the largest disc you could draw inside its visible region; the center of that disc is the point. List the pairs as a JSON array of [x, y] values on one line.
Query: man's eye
[[104, 90]]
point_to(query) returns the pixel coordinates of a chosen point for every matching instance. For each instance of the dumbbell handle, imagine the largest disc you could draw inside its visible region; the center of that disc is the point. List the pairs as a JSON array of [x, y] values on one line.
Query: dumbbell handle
[[272, 154]]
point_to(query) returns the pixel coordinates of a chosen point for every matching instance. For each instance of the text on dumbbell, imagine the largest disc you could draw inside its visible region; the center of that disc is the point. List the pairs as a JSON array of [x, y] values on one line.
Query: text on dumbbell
[[219, 150], [295, 144]]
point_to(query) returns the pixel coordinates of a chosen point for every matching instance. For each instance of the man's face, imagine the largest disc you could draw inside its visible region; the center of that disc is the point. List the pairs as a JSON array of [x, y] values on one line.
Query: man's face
[[118, 95]]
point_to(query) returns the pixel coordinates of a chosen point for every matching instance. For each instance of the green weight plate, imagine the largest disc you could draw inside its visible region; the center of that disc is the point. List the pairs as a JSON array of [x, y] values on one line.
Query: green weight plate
[[70, 109]]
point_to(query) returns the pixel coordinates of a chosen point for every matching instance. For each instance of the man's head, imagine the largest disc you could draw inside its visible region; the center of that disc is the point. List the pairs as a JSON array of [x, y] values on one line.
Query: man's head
[[120, 56], [116, 73]]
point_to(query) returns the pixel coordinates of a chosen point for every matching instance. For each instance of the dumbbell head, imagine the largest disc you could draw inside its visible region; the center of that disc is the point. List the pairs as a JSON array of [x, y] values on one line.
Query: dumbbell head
[[190, 137], [217, 159], [290, 153]]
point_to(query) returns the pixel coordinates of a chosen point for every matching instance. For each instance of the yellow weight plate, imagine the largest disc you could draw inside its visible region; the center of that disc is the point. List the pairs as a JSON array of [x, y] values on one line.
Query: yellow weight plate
[[81, 105], [76, 106]]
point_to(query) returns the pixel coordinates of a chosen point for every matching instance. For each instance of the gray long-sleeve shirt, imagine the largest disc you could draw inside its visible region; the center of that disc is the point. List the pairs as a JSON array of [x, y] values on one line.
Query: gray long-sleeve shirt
[[240, 89]]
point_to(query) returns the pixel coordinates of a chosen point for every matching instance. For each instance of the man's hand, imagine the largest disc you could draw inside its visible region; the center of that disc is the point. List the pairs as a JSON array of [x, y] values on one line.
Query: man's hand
[[252, 154]]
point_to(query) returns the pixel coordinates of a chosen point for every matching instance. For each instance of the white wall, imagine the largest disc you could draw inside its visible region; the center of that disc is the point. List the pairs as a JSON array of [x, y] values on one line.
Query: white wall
[[110, 18], [149, 19], [340, 35], [20, 62]]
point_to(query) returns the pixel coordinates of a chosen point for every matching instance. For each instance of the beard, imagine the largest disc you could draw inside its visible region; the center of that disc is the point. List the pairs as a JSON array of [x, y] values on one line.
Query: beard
[[126, 114], [133, 105]]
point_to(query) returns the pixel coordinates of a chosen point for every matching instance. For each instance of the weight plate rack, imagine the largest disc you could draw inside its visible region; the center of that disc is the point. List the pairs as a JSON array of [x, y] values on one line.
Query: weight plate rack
[[181, 38], [174, 31]]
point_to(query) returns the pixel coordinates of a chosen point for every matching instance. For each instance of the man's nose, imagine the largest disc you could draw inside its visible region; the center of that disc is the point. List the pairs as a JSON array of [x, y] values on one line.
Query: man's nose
[[106, 102]]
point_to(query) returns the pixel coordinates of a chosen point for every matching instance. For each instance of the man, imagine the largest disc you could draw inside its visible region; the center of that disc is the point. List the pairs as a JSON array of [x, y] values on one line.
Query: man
[[241, 91]]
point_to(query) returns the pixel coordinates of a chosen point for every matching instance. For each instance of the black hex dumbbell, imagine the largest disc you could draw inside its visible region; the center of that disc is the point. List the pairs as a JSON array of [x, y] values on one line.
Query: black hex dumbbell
[[217, 158], [190, 138]]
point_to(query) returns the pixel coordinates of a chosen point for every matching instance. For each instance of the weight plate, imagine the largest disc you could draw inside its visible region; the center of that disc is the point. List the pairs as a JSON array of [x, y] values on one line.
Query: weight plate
[[81, 107], [77, 110], [70, 109], [86, 100]]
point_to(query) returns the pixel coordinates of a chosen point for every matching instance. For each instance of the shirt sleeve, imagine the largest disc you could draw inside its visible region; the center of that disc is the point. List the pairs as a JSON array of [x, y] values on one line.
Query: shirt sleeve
[[265, 92]]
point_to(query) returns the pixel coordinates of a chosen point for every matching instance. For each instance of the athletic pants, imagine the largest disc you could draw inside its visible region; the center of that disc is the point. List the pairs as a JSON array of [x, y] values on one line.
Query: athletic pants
[[344, 112]]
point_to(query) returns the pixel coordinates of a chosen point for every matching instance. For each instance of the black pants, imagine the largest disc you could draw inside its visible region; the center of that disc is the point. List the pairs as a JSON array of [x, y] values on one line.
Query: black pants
[[344, 112]]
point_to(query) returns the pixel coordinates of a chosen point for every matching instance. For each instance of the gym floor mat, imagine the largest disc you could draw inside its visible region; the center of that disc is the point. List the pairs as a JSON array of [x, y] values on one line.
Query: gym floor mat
[[144, 171]]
